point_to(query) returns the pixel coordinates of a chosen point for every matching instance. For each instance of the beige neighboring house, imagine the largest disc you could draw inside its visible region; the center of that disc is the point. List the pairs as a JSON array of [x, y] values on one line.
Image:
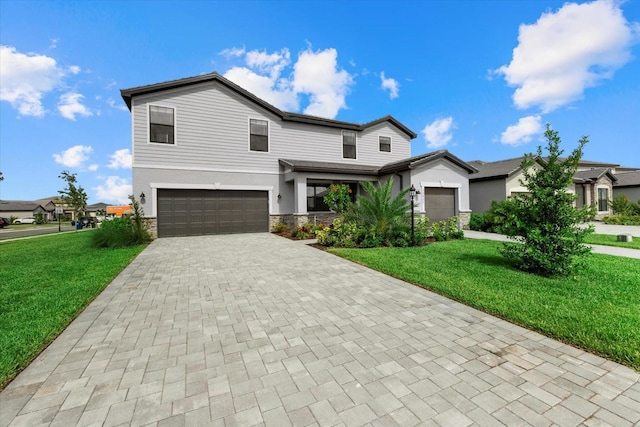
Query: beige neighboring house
[[20, 209], [593, 183], [628, 184]]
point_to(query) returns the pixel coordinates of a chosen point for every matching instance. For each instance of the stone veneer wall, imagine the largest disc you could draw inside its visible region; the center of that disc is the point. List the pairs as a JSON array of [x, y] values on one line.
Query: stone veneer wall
[[153, 226], [463, 220], [294, 220]]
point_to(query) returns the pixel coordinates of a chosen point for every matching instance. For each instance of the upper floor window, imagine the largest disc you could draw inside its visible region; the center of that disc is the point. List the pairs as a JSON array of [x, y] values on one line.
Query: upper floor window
[[348, 144], [603, 199], [385, 143], [258, 135], [161, 125]]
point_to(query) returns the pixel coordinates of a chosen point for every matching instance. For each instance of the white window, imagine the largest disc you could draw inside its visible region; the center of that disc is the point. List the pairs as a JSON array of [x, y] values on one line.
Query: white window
[[384, 143], [161, 124], [258, 135], [348, 144]]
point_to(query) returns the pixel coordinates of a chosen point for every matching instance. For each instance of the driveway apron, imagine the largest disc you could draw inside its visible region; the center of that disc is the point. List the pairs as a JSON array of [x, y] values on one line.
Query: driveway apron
[[259, 330]]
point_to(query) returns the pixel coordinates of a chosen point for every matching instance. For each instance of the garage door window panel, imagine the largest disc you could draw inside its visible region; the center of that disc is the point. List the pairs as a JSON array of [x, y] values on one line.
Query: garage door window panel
[[440, 203]]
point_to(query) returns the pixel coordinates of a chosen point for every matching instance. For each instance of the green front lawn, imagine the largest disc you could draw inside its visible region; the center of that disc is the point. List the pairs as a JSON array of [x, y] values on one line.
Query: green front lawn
[[610, 240], [597, 309], [44, 284]]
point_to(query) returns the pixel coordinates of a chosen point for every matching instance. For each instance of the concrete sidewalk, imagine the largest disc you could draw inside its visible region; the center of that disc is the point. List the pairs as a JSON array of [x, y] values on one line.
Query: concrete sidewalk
[[259, 330], [596, 249]]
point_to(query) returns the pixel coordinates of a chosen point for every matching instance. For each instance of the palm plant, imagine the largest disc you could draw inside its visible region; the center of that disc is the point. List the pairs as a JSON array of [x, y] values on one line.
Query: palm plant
[[379, 214]]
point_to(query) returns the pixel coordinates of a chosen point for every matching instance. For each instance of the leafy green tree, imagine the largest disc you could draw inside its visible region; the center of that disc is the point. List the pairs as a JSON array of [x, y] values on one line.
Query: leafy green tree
[[73, 195], [378, 213], [548, 227]]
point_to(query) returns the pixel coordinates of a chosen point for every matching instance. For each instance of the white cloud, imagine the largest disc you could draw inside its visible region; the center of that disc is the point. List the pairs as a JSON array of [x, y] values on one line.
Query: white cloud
[[26, 78], [264, 87], [565, 52], [93, 167], [315, 74], [115, 190], [438, 133], [273, 63], [74, 69], [74, 157], [117, 105], [233, 52], [391, 85], [70, 106], [120, 159], [522, 132]]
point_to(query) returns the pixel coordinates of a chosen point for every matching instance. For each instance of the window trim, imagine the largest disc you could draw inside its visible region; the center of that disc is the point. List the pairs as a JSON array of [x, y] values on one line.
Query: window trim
[[249, 134], [602, 187], [390, 144], [175, 124], [355, 144]]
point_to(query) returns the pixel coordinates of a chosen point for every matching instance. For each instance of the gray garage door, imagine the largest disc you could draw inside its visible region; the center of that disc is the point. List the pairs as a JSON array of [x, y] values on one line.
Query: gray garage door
[[440, 203], [200, 212]]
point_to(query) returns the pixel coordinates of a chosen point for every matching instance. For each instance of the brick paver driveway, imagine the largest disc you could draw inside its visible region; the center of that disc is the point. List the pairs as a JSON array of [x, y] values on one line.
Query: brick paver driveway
[[256, 329]]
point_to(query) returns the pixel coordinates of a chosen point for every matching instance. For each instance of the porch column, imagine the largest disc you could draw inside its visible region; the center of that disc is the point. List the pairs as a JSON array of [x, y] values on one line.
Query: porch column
[[300, 190]]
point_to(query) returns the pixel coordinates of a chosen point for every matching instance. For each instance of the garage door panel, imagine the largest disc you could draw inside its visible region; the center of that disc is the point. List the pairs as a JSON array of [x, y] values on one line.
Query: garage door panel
[[200, 212], [440, 203]]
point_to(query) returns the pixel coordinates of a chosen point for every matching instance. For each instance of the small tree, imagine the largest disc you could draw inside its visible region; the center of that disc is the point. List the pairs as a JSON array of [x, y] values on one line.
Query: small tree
[[338, 197], [139, 224], [545, 222], [73, 195]]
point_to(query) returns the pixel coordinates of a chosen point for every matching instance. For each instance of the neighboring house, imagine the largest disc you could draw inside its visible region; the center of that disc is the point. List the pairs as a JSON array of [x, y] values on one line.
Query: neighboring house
[[593, 183], [20, 209], [210, 157], [96, 209], [628, 184]]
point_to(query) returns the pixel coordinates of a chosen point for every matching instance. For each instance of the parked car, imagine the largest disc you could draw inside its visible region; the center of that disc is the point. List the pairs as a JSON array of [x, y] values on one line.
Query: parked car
[[88, 221], [27, 220], [4, 222]]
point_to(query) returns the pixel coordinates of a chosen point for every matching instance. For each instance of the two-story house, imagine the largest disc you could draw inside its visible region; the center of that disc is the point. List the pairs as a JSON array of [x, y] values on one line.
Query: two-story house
[[210, 158], [592, 183]]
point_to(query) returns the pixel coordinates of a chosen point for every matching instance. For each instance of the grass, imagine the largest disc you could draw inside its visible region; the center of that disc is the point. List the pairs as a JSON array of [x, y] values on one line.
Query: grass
[[44, 284], [610, 240], [597, 309]]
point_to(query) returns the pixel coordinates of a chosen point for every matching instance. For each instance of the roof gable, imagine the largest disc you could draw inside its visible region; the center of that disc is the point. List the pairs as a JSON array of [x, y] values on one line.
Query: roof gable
[[129, 94]]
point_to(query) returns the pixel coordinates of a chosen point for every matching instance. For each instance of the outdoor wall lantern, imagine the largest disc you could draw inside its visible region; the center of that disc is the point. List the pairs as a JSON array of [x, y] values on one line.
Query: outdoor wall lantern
[[142, 196]]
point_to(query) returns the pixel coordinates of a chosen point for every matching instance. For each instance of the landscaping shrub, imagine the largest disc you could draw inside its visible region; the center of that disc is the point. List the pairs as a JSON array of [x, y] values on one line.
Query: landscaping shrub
[[477, 222], [115, 233], [122, 232], [340, 234], [446, 230], [621, 220], [280, 228]]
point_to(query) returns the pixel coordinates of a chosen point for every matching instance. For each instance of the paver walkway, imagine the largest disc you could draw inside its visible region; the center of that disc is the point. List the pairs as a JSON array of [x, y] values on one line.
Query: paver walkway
[[259, 330]]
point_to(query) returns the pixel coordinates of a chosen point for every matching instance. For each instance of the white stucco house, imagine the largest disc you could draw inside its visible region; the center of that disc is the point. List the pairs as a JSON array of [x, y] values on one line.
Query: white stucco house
[[209, 157]]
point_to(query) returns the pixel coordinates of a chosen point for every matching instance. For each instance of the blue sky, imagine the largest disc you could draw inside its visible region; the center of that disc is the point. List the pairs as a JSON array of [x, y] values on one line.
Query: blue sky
[[478, 78]]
